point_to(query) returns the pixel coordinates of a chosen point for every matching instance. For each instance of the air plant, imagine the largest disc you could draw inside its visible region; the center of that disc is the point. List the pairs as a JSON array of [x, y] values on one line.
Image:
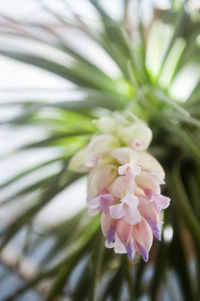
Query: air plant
[[106, 132]]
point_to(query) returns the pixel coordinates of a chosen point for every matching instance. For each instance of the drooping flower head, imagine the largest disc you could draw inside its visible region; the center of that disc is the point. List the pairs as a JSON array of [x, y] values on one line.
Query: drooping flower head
[[123, 185]]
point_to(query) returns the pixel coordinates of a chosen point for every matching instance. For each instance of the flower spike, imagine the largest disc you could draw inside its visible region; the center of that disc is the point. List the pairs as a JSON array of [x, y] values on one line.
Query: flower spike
[[124, 185]]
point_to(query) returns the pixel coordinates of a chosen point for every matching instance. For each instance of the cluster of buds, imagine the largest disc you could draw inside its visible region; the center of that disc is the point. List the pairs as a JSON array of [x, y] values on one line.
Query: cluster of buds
[[123, 185]]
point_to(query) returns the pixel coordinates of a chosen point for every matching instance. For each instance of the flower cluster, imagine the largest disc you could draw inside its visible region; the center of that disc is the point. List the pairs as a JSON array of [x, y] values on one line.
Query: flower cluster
[[124, 185]]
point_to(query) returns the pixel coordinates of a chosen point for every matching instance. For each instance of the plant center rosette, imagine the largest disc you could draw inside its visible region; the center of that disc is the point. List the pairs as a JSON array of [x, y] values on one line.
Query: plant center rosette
[[123, 185]]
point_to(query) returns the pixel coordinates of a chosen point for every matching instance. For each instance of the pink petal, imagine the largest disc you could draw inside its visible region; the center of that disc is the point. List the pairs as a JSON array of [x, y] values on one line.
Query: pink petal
[[147, 209], [148, 193], [142, 234], [117, 211], [124, 231]]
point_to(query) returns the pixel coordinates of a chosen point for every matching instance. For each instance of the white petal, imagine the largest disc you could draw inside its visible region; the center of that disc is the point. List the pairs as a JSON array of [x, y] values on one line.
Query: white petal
[[93, 203], [131, 199], [116, 211], [132, 215]]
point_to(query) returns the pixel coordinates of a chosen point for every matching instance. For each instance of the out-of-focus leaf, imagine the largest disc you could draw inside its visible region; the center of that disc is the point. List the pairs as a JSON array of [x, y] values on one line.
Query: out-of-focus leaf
[[183, 204], [179, 261], [77, 75], [53, 188]]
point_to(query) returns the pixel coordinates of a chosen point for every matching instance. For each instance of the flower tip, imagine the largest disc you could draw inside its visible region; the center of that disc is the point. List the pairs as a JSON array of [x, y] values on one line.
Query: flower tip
[[157, 235], [144, 253], [130, 250]]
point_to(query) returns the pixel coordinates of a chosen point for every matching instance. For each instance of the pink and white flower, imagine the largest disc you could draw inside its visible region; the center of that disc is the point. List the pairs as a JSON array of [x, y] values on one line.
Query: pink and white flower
[[124, 185]]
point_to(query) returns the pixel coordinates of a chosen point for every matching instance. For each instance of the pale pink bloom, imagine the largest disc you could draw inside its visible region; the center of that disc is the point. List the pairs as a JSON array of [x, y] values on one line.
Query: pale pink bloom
[[101, 177], [100, 203], [124, 185], [127, 208]]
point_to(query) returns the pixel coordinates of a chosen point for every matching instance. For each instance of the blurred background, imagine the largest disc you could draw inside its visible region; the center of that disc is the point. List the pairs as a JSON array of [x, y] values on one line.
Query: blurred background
[[63, 64]]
